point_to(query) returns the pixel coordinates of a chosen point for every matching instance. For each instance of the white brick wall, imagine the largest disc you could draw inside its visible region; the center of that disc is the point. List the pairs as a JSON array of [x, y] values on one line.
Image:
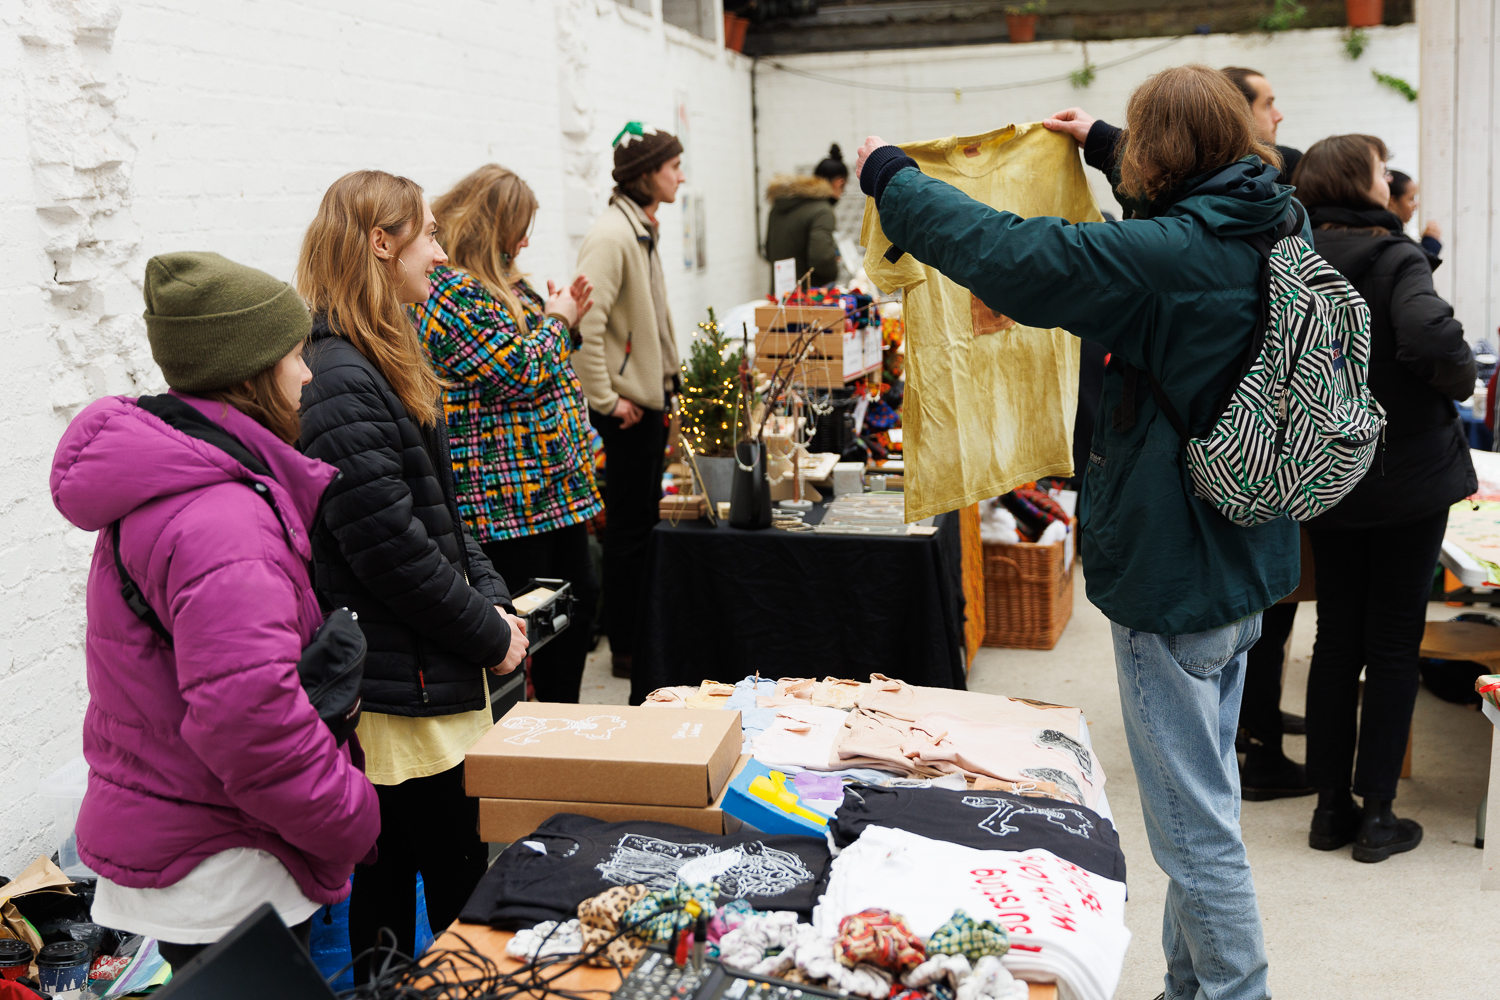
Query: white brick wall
[[134, 128], [1319, 89]]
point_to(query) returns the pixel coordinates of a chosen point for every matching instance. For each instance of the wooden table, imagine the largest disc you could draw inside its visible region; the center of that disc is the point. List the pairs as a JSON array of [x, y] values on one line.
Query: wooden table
[[601, 982]]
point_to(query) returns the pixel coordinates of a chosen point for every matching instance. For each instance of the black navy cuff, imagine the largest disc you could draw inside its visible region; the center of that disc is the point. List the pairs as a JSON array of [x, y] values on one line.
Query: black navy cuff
[[1432, 245], [883, 164], [1101, 146]]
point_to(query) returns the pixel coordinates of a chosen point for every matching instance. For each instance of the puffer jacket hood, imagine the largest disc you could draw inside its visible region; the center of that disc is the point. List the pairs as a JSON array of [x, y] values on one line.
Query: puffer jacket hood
[[799, 186], [116, 456], [209, 743]]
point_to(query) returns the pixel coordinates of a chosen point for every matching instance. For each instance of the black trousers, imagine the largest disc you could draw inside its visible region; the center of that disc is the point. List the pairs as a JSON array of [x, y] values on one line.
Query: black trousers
[[179, 955], [1373, 619], [427, 825], [1260, 710], [563, 554], [632, 506]]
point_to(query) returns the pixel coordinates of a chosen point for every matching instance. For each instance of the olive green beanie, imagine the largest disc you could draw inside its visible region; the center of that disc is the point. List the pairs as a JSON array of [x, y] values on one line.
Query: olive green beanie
[[213, 323]]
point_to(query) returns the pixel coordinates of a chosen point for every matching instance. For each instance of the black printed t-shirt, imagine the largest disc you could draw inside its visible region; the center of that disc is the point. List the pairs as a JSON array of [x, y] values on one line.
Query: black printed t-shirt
[[582, 857], [989, 821]]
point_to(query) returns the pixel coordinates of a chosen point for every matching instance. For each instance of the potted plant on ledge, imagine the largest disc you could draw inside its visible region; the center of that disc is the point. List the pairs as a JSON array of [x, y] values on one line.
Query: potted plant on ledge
[[1364, 13], [1020, 20]]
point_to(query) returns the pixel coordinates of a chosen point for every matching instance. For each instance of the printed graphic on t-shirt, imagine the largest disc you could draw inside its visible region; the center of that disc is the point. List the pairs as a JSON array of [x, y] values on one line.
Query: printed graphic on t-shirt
[[1071, 820], [986, 320], [751, 869], [1054, 740], [531, 728], [1062, 779]]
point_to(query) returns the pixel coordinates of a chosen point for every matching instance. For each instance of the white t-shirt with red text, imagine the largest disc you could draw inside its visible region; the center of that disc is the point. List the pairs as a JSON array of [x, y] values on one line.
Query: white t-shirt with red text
[[1066, 924]]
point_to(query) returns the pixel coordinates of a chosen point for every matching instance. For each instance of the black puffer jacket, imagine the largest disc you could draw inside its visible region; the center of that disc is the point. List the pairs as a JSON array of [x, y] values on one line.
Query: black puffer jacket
[[1419, 364], [390, 545]]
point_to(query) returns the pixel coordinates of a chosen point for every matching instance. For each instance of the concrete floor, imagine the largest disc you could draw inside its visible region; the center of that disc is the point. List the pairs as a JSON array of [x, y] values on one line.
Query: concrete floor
[[1413, 927]]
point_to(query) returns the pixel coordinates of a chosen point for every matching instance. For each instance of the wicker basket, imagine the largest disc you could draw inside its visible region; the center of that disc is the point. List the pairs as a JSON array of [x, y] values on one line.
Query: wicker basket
[[1028, 595]]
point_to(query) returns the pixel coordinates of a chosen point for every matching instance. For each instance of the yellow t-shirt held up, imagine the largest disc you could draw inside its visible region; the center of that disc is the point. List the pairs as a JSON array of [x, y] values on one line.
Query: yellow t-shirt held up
[[989, 403]]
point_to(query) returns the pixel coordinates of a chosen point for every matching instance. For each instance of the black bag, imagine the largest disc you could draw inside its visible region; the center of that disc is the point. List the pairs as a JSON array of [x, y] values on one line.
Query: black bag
[[332, 666]]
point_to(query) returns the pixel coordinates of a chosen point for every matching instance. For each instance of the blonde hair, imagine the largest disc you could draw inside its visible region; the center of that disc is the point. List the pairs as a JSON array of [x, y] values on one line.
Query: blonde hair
[[341, 278], [482, 220], [1183, 122]]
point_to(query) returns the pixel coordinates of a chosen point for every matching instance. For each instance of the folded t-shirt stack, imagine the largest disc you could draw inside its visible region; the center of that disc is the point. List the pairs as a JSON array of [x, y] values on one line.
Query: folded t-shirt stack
[[571, 858], [1066, 924], [983, 820]]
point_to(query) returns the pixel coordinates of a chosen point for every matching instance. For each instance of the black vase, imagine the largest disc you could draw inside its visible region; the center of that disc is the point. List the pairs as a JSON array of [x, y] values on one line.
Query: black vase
[[750, 496]]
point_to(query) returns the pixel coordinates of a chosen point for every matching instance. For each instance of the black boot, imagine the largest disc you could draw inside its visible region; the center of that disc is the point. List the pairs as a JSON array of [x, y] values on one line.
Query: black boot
[[1335, 821], [1268, 774], [1382, 834]]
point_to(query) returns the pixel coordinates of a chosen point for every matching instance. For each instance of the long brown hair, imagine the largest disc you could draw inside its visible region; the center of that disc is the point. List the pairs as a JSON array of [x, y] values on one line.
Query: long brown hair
[[482, 220], [1183, 122], [261, 399], [1338, 171], [341, 278]]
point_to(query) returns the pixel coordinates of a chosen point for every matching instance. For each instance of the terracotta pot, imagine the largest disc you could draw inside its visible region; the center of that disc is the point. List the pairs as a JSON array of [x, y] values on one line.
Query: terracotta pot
[[1364, 13], [734, 32], [1022, 27]]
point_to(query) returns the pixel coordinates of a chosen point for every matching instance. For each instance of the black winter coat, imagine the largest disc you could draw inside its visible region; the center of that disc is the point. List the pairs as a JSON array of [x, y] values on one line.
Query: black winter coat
[[390, 545], [1419, 364]]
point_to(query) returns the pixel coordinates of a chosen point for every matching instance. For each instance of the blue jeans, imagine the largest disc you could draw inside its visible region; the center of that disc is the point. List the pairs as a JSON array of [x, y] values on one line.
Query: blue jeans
[[1180, 695]]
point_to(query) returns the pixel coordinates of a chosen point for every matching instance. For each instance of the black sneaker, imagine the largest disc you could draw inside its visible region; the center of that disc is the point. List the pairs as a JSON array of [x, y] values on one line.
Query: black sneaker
[[1268, 774], [1382, 833], [1334, 826]]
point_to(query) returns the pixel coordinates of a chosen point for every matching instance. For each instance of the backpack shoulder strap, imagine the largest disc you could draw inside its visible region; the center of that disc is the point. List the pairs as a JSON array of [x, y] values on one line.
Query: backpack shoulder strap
[[185, 418], [131, 591]]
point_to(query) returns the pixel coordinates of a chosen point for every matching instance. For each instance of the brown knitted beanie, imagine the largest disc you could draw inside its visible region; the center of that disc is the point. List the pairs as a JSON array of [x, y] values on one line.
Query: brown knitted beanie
[[640, 149]]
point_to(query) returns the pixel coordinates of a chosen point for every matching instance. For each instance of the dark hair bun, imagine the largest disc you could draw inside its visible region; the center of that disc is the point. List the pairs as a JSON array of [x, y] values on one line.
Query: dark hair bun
[[834, 153]]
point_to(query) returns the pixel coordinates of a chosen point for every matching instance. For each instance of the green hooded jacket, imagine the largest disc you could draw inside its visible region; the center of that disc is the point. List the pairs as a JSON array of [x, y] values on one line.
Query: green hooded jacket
[[801, 226], [1176, 294]]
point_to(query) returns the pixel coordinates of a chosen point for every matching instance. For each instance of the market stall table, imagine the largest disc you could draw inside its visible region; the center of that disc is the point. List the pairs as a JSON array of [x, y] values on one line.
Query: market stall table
[[597, 983], [719, 603]]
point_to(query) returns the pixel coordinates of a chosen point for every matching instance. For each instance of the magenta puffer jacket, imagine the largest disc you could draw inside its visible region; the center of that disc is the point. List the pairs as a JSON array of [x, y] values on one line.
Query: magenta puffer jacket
[[212, 744]]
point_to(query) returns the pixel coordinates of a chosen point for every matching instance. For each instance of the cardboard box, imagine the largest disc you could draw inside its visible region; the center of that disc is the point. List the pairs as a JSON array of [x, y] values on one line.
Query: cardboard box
[[505, 821], [606, 753]]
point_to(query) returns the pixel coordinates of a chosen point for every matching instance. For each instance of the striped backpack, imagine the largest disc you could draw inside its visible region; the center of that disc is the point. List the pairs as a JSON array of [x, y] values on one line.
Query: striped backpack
[[1298, 428]]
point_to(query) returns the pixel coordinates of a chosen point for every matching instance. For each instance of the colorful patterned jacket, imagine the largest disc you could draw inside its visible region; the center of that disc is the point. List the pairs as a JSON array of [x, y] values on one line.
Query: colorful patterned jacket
[[517, 423]]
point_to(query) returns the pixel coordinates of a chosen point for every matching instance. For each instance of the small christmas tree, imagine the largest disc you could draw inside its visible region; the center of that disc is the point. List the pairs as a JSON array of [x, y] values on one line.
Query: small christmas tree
[[711, 410]]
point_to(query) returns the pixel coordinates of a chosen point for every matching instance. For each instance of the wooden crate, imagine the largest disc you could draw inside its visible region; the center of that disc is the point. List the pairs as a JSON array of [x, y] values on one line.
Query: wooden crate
[[1028, 595], [823, 364], [818, 374], [798, 319]]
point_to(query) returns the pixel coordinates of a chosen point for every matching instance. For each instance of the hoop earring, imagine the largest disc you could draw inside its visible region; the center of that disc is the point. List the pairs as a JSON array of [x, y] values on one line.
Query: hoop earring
[[402, 265]]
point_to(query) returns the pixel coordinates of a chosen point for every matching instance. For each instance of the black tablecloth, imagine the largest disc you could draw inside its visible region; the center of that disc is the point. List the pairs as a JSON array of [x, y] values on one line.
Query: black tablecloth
[[720, 603]]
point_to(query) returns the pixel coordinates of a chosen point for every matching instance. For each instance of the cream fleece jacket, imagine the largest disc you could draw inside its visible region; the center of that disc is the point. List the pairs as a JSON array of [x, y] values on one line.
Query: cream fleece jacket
[[625, 351]]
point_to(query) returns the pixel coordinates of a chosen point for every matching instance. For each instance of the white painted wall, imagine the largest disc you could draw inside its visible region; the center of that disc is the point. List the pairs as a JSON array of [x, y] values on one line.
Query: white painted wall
[[1460, 163], [1319, 89], [142, 126]]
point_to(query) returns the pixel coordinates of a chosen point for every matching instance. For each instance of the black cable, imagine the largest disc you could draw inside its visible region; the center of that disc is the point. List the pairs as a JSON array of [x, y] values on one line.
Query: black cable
[[467, 974]]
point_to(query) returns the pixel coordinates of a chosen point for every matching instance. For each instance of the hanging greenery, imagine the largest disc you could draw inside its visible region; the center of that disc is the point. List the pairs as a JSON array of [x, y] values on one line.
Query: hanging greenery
[[1284, 14], [1084, 75], [1397, 84], [1356, 40], [711, 406]]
